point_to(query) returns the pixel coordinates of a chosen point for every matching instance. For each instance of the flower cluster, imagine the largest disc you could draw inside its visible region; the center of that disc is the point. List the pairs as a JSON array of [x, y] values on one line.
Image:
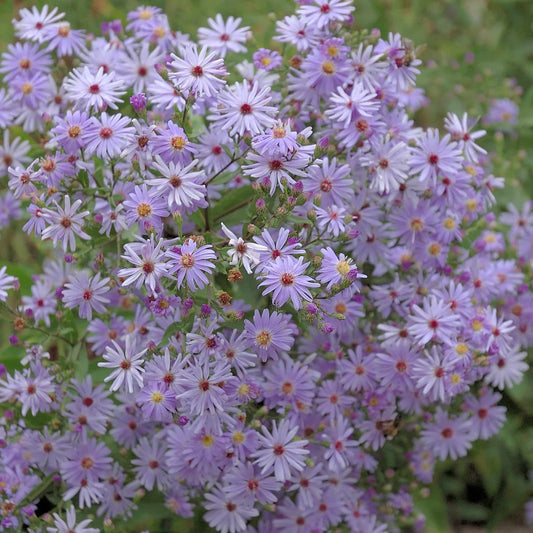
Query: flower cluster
[[267, 295]]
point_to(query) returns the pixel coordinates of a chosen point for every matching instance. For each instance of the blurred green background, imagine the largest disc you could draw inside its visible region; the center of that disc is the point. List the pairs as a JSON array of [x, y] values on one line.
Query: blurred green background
[[475, 51]]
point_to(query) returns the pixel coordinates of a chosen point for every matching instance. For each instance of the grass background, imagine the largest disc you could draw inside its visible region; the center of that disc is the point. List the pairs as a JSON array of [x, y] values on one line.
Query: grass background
[[488, 488]]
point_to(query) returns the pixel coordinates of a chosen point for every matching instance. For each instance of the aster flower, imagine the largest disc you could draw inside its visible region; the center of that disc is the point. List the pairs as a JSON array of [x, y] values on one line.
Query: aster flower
[[244, 108], [150, 464], [244, 482], [7, 282], [172, 144], [223, 36], [192, 263], [180, 184], [461, 132], [107, 136], [87, 293], [267, 59], [335, 269], [447, 436], [243, 251], [146, 208], [388, 164], [434, 156], [507, 368], [93, 91], [321, 12], [70, 526], [199, 72], [34, 24], [285, 278], [227, 514], [434, 321], [488, 417], [331, 181], [65, 224], [69, 131], [281, 247], [127, 364], [13, 153], [64, 40], [345, 108], [200, 390], [279, 453], [331, 219], [137, 66], [294, 30], [149, 265], [24, 58], [432, 375]]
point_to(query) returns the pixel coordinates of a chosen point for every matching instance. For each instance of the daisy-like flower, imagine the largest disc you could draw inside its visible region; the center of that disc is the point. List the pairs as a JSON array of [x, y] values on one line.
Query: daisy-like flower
[[368, 68], [87, 293], [146, 208], [137, 68], [244, 108], [149, 263], [293, 29], [269, 334], [345, 108], [281, 139], [150, 464], [6, 282], [93, 91], [24, 58], [267, 59], [172, 144], [507, 368], [280, 247], [285, 279], [227, 514], [321, 12], [460, 132], [192, 263], [279, 453], [276, 168], [200, 72], [64, 40], [388, 164], [336, 269], [180, 184], [446, 436], [331, 219], [107, 136], [33, 24], [434, 156], [127, 364], [65, 224], [13, 153], [330, 180], [247, 252], [434, 321], [201, 392], [69, 131], [69, 525], [223, 36]]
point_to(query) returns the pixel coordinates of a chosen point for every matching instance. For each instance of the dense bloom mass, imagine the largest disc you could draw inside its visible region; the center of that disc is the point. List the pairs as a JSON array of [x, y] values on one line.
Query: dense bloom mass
[[254, 289]]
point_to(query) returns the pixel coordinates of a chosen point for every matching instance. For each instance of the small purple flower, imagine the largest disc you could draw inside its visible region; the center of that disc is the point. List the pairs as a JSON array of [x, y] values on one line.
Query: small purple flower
[[192, 263], [65, 224], [285, 279], [138, 102], [267, 59], [87, 293], [127, 364], [279, 453]]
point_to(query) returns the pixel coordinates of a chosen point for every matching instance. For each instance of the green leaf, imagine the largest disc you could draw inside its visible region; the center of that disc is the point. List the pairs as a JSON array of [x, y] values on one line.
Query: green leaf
[[230, 202], [435, 510]]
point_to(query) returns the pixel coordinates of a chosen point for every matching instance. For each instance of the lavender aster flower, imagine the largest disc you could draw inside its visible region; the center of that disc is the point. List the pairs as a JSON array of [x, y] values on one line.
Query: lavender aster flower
[[192, 263], [70, 526], [127, 365], [87, 293], [279, 453], [65, 224], [285, 278]]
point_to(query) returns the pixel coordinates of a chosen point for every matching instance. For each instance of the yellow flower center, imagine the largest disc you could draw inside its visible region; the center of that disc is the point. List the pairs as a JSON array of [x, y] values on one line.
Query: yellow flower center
[[461, 348], [343, 267], [156, 397], [476, 325], [238, 437], [208, 440], [449, 223], [328, 68]]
